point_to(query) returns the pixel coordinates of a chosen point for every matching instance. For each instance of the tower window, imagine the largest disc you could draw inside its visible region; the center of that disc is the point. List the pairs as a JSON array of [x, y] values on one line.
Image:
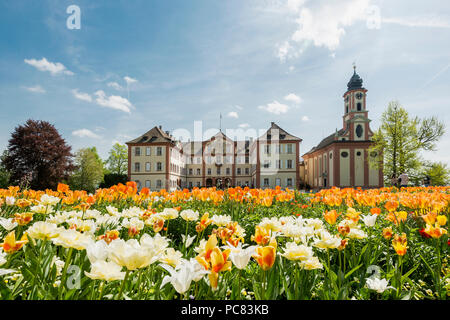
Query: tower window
[[358, 153], [359, 106], [359, 131], [344, 154]]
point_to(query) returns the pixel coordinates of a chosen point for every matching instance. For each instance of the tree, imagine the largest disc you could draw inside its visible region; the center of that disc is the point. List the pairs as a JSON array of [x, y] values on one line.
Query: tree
[[399, 140], [117, 162], [38, 156], [89, 172], [4, 173], [438, 172]]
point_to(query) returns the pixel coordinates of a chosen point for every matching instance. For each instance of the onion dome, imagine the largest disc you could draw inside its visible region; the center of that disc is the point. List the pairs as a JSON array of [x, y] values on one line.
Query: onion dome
[[355, 81]]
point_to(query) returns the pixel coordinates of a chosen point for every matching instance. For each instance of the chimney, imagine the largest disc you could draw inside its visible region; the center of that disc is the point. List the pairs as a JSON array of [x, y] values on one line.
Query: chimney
[[160, 126], [272, 124]]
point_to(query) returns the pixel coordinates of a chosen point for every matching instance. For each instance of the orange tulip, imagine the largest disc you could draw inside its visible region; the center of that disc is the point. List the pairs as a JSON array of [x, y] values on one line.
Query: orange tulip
[[265, 256], [10, 245], [204, 222], [430, 218], [331, 216], [387, 233], [435, 232], [375, 211], [400, 244], [262, 236], [391, 205], [62, 188], [23, 218], [158, 225]]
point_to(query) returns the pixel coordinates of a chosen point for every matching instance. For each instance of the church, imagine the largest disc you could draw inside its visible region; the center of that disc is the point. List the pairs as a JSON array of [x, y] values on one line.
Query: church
[[342, 158]]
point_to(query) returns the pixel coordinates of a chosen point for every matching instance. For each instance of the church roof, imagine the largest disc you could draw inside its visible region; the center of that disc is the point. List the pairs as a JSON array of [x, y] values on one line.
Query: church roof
[[355, 82], [156, 134], [326, 141]]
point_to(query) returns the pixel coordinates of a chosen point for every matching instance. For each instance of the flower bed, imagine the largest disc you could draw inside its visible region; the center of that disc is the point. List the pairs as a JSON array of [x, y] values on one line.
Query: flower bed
[[234, 244]]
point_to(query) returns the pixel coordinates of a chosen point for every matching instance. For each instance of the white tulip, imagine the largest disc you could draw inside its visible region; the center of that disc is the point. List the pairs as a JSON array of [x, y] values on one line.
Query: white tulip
[[8, 224], [379, 285], [370, 219]]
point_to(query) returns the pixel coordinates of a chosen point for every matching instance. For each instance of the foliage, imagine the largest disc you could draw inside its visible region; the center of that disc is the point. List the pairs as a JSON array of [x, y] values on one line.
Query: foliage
[[89, 172], [111, 179], [438, 172], [4, 174], [117, 162], [400, 138], [38, 156]]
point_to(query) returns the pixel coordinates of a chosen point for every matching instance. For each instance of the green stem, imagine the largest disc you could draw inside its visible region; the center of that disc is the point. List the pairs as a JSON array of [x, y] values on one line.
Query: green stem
[[102, 286], [119, 296], [64, 273]]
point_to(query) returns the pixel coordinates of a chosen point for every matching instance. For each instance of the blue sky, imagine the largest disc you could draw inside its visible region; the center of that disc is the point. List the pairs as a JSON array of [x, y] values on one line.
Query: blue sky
[[137, 64]]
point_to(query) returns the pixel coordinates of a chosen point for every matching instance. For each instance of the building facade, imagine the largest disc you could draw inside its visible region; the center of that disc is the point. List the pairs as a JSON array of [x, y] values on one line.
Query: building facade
[[156, 160], [342, 159]]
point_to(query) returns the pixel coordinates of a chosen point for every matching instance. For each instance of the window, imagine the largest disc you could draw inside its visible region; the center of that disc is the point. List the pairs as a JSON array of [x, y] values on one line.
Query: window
[[198, 172], [159, 151], [266, 164], [238, 171], [266, 182], [227, 170], [278, 148], [137, 167], [239, 183], [247, 160], [289, 182], [289, 164], [198, 184], [158, 183], [267, 149], [278, 164], [277, 182], [137, 151], [289, 148], [359, 106], [148, 151], [147, 166], [138, 184], [247, 170], [190, 172], [344, 154], [147, 184], [159, 166], [209, 171], [218, 170], [359, 131], [358, 153]]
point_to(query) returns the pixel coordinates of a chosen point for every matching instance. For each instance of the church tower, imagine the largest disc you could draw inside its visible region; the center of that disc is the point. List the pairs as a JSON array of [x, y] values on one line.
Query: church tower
[[355, 119]]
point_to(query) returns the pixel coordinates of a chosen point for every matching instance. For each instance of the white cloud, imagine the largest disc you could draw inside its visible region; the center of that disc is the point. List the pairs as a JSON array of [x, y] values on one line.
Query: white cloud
[[129, 80], [81, 95], [295, 5], [115, 85], [36, 89], [238, 107], [244, 125], [325, 25], [114, 102], [293, 98], [85, 133], [45, 65], [233, 114], [430, 21], [283, 51], [275, 108], [305, 118]]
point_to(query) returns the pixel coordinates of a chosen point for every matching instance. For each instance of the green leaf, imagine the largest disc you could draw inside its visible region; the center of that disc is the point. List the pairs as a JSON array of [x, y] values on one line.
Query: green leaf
[[353, 270]]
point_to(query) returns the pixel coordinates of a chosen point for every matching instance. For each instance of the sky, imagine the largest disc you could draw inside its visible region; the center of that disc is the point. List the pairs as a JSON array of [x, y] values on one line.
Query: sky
[[128, 66]]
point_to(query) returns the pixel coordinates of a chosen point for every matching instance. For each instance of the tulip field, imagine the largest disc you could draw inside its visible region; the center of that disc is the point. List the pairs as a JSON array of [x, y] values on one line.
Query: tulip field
[[233, 244]]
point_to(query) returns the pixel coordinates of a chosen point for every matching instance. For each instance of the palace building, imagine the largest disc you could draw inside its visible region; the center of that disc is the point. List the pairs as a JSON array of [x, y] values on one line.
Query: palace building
[[156, 160], [342, 158]]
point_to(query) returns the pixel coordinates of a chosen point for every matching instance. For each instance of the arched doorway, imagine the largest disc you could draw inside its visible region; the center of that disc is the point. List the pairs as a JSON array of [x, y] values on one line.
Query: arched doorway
[[209, 183]]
